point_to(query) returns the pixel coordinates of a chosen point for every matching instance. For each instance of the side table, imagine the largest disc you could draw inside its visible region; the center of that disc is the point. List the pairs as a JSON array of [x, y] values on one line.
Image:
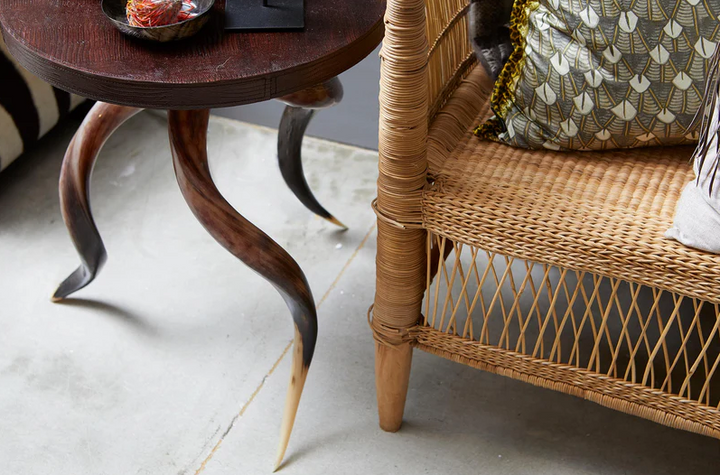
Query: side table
[[73, 47]]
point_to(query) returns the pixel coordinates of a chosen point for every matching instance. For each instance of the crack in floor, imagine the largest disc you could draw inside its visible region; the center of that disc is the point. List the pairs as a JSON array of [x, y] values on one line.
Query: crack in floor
[[280, 358]]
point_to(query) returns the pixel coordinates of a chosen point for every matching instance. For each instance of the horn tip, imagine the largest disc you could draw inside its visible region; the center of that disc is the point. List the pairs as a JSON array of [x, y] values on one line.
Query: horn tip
[[336, 222]]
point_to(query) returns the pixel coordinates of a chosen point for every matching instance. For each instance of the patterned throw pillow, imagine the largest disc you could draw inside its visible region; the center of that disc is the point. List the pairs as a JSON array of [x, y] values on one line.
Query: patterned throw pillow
[[29, 107], [600, 74]]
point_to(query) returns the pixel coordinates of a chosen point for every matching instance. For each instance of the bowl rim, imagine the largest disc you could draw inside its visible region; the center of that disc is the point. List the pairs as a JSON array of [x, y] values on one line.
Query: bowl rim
[[140, 28]]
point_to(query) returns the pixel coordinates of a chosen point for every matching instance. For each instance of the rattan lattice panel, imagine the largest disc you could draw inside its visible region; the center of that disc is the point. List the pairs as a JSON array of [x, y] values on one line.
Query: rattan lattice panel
[[631, 347]]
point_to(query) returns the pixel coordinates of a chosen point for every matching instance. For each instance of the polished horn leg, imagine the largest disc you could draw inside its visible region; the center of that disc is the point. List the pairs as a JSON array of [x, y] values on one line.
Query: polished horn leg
[[102, 120], [188, 142], [297, 115]]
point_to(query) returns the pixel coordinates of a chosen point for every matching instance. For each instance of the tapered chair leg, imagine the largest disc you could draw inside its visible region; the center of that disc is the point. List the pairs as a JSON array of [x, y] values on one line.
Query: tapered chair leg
[[102, 120], [392, 376], [393, 363], [188, 141], [300, 109], [400, 286]]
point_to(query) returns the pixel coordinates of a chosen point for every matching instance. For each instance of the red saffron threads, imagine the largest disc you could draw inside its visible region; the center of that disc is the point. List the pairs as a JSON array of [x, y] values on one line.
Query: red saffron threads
[[145, 13]]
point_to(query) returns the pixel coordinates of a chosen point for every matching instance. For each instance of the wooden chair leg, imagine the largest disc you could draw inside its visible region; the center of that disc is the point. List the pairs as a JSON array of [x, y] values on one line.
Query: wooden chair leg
[[301, 107], [100, 123], [188, 142], [392, 375], [401, 258], [392, 365]]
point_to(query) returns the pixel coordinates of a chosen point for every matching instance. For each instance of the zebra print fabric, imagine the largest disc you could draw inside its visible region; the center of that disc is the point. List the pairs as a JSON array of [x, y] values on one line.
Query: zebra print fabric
[[29, 108]]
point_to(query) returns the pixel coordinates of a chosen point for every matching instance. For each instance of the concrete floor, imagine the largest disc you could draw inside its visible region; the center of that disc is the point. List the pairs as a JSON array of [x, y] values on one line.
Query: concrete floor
[[173, 361]]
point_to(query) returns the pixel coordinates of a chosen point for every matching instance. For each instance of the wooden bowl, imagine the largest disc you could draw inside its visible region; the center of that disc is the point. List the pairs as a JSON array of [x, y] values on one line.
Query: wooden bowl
[[116, 13]]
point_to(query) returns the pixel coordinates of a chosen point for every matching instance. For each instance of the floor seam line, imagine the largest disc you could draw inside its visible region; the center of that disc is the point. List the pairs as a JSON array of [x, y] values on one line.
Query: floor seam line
[[282, 355]]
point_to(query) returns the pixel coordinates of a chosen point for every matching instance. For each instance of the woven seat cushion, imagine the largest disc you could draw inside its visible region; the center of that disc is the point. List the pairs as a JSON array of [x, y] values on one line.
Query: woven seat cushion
[[29, 107], [603, 74], [601, 212]]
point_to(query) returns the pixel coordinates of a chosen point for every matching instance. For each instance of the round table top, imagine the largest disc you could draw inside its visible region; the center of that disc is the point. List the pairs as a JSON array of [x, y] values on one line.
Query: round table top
[[71, 45]]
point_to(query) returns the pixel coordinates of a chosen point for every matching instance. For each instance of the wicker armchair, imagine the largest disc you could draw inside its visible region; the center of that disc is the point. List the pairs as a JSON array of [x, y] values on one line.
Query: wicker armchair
[[542, 266]]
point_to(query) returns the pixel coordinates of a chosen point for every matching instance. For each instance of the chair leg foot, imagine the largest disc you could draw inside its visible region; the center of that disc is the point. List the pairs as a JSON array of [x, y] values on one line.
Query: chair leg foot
[[392, 375]]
